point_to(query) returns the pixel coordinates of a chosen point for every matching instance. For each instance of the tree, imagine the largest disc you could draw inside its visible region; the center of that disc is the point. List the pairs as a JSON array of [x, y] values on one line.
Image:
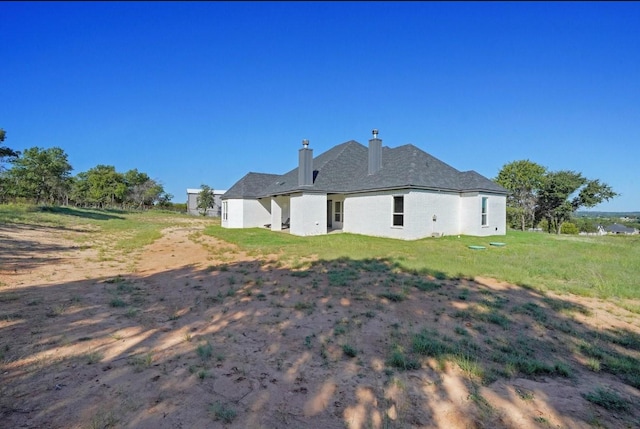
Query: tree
[[586, 224], [105, 186], [164, 200], [523, 179], [6, 154], [206, 199], [144, 191], [79, 193], [138, 185], [153, 193], [40, 174], [563, 192]]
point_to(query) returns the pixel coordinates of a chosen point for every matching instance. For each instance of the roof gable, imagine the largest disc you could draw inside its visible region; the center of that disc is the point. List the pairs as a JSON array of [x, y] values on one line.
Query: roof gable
[[252, 185]]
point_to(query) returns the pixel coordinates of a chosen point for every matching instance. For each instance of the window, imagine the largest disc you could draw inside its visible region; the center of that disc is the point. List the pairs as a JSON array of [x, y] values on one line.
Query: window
[[398, 211], [484, 211], [338, 212], [224, 210]]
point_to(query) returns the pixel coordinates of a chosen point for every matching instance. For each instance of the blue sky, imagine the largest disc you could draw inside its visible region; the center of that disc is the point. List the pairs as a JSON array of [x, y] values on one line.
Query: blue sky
[[197, 92]]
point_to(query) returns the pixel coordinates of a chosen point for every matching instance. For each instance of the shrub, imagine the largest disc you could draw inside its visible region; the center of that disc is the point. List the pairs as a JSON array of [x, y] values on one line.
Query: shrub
[[569, 228], [349, 350], [222, 412], [607, 399]]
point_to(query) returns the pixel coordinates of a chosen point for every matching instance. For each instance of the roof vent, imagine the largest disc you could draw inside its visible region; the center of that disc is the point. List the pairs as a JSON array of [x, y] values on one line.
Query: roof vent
[[375, 133], [305, 143]]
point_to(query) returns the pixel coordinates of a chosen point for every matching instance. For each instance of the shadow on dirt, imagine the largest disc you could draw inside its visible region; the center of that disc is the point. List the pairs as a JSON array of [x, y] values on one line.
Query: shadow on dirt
[[22, 253], [102, 214], [342, 343]]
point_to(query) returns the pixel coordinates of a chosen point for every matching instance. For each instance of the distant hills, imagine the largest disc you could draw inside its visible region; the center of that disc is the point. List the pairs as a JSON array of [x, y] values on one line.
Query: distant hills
[[608, 214]]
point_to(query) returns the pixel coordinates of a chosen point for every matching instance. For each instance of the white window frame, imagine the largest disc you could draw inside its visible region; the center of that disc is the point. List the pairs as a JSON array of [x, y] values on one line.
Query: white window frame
[[484, 211], [225, 210], [395, 213]]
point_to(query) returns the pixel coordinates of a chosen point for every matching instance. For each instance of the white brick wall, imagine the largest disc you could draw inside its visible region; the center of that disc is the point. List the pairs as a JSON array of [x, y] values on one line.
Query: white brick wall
[[471, 214], [257, 213], [235, 213], [445, 206], [371, 214], [247, 213], [308, 214]]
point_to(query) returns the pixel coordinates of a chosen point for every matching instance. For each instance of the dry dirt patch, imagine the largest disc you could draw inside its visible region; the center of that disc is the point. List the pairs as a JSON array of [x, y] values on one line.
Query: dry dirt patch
[[184, 334]]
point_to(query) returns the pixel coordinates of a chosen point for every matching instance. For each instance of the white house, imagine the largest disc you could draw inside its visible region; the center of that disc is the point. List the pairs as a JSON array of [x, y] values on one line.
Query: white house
[[192, 202], [400, 192], [618, 229]]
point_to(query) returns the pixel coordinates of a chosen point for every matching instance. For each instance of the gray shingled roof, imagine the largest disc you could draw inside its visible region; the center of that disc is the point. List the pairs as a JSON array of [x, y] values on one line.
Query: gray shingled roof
[[344, 169], [252, 185], [616, 228]]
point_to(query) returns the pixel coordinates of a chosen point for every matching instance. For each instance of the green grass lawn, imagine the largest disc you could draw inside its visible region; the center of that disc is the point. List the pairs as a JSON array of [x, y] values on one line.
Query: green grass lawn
[[603, 267], [121, 231]]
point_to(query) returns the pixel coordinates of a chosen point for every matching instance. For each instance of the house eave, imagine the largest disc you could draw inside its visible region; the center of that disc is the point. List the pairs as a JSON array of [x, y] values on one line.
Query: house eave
[[367, 190], [424, 188]]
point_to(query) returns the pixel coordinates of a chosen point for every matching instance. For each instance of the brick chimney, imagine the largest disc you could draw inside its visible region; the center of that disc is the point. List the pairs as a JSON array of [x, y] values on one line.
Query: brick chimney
[[305, 165], [375, 153]]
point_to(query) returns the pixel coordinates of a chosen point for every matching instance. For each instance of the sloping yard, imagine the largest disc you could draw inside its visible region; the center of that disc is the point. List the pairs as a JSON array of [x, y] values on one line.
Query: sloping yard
[[186, 329]]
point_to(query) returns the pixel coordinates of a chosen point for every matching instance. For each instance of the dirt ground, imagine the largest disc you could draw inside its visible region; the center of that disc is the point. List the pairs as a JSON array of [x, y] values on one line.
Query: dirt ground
[[190, 332]]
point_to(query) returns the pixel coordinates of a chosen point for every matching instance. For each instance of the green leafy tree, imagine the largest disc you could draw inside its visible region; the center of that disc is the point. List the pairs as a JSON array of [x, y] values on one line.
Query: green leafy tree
[[40, 174], [523, 180], [585, 224], [6, 152], [6, 155], [144, 191], [138, 185], [79, 193], [206, 199], [104, 186], [563, 192], [164, 201], [153, 193]]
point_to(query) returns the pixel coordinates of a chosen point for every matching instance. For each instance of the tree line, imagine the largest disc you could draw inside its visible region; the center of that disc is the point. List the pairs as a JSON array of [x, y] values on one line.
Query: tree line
[[539, 197], [43, 176]]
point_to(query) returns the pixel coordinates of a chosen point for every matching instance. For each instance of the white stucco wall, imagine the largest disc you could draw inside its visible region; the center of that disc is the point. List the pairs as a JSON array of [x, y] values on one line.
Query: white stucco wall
[[257, 213], [247, 213], [371, 214], [471, 214], [308, 214], [279, 212], [235, 211], [425, 204]]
